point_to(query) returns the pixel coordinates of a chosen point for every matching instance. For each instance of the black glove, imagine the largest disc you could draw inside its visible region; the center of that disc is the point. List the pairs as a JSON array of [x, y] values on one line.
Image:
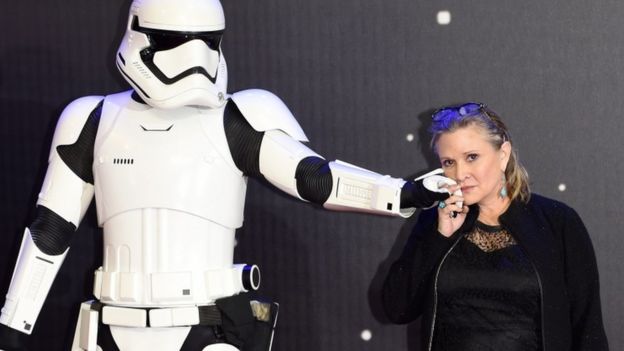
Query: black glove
[[414, 194], [12, 340]]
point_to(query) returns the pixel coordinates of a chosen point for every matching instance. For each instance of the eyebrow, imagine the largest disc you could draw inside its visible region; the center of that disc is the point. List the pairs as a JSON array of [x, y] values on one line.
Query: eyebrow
[[465, 153]]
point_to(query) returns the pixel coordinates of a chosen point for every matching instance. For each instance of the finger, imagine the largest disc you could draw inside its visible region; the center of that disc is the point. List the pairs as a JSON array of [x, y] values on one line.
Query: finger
[[443, 185], [442, 205], [453, 188], [449, 211], [453, 208], [446, 208], [462, 209], [454, 199], [461, 213], [453, 211], [443, 209]]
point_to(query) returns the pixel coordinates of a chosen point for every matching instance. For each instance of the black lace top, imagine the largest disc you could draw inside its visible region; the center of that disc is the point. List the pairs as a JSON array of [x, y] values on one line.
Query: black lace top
[[488, 295]]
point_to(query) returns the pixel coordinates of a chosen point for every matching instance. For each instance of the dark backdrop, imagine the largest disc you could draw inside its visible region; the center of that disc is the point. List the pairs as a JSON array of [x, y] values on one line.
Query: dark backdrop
[[361, 77]]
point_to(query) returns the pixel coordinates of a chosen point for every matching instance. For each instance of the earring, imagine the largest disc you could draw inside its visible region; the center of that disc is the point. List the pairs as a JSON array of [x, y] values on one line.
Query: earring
[[503, 192]]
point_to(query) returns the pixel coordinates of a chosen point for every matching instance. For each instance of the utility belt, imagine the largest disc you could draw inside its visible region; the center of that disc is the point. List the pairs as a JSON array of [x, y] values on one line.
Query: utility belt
[[209, 315], [174, 288], [244, 323], [160, 317]]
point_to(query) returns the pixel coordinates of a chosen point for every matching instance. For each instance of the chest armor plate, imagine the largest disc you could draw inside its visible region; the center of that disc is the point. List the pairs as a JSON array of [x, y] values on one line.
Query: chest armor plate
[[174, 159]]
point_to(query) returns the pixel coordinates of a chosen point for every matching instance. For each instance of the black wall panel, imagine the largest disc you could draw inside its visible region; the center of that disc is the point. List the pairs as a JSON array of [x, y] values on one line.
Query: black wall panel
[[360, 76]]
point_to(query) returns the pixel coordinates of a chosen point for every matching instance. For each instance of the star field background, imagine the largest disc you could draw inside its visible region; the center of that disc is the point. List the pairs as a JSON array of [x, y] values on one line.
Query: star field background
[[362, 78]]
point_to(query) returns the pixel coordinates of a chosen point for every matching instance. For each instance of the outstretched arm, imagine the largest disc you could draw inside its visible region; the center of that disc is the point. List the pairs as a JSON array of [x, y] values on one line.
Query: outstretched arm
[[276, 152]]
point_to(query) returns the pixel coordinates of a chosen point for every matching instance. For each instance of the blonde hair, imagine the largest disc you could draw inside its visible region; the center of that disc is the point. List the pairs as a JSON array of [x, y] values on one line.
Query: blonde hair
[[517, 178]]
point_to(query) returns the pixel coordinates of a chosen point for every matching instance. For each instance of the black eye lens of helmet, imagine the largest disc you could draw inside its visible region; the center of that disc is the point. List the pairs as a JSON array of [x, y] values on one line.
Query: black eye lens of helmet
[[161, 40]]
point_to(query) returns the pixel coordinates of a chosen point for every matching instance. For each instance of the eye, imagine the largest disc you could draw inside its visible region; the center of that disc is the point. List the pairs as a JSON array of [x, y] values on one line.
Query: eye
[[447, 163], [472, 157]]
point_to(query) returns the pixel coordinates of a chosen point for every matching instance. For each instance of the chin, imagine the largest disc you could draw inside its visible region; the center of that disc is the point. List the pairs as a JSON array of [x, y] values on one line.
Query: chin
[[471, 200], [468, 202]]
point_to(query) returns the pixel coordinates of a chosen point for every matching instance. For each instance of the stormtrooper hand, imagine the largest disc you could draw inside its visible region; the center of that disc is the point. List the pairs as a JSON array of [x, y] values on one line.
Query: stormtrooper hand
[[415, 194]]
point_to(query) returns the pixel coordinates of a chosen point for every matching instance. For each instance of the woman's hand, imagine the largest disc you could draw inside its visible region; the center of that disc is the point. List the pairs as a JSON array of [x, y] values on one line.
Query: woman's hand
[[450, 215]]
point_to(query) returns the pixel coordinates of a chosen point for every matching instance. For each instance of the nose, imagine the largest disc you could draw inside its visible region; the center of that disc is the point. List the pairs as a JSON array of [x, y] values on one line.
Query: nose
[[461, 172]]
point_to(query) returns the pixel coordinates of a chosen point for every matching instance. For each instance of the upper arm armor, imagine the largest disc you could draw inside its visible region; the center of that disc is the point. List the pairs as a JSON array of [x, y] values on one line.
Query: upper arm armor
[[265, 111], [264, 138], [78, 156], [73, 120], [243, 140], [276, 156], [297, 170], [68, 186]]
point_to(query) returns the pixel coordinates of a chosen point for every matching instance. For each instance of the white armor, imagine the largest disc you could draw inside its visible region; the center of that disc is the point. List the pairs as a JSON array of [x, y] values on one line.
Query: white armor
[[137, 52], [169, 194], [67, 195], [35, 271], [150, 221], [155, 173]]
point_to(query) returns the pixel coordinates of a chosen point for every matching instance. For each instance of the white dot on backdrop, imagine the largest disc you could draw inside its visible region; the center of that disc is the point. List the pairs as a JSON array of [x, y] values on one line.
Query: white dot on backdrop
[[366, 335], [562, 187], [409, 137], [443, 17]]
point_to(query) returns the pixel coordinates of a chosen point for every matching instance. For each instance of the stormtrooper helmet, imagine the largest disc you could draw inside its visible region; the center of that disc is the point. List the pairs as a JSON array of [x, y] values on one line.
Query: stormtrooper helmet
[[171, 53]]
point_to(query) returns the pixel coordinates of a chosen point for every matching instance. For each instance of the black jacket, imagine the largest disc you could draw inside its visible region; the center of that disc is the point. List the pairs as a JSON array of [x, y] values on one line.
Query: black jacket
[[557, 243]]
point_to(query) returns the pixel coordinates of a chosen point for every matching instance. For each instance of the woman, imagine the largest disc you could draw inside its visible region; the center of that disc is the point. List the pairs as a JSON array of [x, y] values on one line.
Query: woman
[[497, 268]]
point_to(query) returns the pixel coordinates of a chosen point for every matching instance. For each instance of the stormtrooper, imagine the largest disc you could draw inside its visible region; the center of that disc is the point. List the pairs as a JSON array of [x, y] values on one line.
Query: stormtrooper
[[168, 163]]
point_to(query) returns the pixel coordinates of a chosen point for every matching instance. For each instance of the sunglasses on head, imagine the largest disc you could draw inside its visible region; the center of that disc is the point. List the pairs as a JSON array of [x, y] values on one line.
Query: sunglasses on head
[[451, 112]]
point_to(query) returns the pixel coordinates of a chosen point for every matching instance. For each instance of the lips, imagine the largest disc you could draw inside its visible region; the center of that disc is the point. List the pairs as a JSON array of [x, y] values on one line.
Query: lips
[[467, 188]]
